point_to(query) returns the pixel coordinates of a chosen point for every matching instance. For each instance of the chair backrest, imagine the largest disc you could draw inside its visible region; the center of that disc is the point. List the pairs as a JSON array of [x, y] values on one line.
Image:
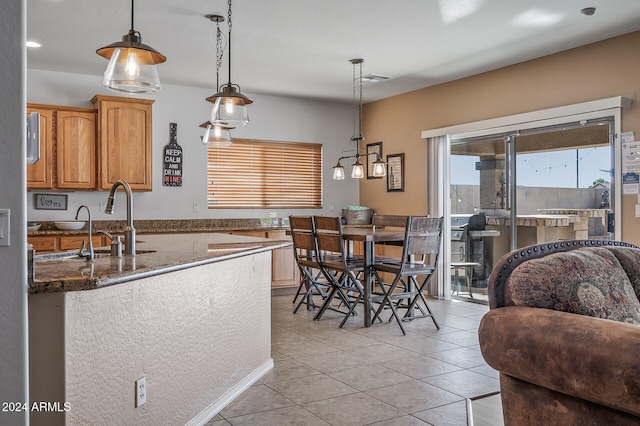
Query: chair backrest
[[329, 235], [422, 237], [303, 235], [395, 221]]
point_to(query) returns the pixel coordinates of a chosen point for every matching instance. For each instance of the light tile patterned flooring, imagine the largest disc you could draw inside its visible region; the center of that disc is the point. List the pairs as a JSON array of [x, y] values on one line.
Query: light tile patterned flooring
[[367, 376]]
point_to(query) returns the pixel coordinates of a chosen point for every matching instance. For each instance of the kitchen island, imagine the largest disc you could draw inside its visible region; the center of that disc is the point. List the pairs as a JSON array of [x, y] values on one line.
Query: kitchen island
[[189, 312]]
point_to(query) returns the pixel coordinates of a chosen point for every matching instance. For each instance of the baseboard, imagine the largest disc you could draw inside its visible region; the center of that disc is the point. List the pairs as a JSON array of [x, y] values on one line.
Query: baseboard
[[212, 410]]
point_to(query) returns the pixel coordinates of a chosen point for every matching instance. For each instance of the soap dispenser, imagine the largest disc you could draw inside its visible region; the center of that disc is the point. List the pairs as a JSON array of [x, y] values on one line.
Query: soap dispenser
[[116, 246]]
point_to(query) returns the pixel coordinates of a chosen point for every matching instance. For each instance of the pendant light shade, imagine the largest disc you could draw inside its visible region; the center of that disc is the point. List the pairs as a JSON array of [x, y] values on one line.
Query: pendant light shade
[[379, 167], [132, 64], [338, 172], [357, 169], [230, 105], [216, 136]]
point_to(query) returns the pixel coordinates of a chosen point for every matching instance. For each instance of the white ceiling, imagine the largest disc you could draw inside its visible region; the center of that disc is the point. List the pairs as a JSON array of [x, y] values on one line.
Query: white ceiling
[[302, 48]]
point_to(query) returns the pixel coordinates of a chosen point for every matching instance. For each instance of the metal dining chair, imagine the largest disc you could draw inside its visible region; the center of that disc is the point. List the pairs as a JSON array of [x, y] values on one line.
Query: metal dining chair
[[341, 270], [305, 251], [420, 251]]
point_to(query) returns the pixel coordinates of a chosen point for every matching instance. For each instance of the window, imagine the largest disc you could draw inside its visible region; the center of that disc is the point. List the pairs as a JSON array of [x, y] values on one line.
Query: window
[[254, 173]]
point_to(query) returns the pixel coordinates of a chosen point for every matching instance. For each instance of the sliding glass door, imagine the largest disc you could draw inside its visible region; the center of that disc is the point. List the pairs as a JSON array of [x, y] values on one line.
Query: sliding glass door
[[517, 188]]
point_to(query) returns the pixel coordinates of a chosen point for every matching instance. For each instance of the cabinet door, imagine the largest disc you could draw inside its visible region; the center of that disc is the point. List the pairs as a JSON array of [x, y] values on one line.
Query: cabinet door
[[284, 271], [40, 174], [124, 140], [76, 149]]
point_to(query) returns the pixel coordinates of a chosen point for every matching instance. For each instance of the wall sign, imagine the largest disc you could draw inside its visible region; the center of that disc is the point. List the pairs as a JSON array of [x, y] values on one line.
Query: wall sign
[[50, 202], [172, 159]]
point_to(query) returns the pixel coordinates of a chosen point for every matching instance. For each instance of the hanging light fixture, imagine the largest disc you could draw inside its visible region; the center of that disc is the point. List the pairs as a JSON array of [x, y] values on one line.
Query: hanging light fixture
[[230, 106], [357, 170], [216, 135], [132, 64]]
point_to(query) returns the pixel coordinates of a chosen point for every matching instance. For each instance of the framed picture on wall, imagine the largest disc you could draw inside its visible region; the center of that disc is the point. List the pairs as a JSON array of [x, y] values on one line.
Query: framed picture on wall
[[373, 150], [395, 173]]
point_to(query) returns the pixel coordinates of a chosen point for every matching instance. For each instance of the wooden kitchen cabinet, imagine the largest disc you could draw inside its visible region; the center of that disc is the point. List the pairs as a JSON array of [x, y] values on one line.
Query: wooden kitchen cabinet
[[41, 244], [284, 270], [63, 242], [40, 174], [76, 149], [124, 141], [67, 148]]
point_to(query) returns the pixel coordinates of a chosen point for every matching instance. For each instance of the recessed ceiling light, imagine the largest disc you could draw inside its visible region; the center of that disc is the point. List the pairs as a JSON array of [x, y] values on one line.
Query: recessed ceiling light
[[33, 44]]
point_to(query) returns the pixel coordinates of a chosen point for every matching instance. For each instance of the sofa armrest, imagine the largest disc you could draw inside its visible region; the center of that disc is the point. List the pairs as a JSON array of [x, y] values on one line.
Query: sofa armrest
[[589, 358]]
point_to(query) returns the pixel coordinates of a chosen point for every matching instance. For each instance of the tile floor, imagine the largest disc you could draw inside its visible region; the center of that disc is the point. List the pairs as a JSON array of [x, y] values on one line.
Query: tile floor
[[367, 376]]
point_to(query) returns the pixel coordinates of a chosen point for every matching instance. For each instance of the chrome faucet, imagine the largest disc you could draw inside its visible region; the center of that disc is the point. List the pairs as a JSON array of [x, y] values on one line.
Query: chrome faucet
[[129, 230], [91, 256]]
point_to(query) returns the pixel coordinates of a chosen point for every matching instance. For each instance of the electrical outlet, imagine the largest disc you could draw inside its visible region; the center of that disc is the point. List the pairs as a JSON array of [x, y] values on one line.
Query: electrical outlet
[[101, 206], [273, 214], [141, 391], [196, 207], [4, 227]]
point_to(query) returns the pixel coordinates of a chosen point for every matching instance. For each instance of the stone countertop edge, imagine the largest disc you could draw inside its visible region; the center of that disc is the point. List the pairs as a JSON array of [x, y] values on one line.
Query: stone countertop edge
[[58, 278], [167, 226]]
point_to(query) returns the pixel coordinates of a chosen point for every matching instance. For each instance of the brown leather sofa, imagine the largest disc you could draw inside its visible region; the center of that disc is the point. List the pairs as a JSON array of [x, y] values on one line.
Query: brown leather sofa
[[564, 333]]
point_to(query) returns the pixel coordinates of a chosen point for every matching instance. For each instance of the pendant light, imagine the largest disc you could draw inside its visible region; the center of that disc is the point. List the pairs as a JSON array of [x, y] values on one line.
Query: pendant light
[[216, 135], [357, 170], [132, 64], [230, 106]]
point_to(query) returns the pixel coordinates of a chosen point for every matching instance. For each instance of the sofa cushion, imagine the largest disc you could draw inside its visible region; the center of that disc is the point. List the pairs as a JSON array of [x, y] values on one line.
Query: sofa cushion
[[630, 260], [588, 281]]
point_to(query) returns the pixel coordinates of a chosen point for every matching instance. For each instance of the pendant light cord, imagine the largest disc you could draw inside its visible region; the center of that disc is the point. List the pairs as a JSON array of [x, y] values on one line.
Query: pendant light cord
[[219, 53], [229, 41], [353, 136], [132, 30], [361, 135]]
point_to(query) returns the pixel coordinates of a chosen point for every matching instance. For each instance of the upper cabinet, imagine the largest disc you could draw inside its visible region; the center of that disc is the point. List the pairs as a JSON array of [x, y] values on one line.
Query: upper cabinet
[[124, 141], [40, 173], [76, 143], [67, 149], [89, 149]]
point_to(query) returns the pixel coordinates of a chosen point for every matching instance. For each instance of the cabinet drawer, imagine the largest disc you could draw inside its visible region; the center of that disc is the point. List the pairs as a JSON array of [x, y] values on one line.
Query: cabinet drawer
[[74, 242], [43, 243]]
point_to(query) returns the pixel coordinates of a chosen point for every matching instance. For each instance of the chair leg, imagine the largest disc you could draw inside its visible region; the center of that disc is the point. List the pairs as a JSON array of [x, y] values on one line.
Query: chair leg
[[420, 295], [295, 297], [387, 300]]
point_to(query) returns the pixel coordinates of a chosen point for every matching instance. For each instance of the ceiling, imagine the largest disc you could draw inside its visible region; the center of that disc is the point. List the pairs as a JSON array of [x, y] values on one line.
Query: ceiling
[[301, 48]]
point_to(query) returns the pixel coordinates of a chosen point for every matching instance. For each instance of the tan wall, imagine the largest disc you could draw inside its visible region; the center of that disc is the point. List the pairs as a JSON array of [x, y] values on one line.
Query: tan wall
[[596, 71]]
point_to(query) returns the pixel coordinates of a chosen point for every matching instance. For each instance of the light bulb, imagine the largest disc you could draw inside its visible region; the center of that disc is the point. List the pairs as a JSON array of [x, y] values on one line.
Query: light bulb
[[228, 106], [338, 172], [358, 171], [132, 68]]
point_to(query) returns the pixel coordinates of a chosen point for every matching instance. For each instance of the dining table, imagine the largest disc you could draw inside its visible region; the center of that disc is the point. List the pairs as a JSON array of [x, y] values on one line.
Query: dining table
[[370, 235]]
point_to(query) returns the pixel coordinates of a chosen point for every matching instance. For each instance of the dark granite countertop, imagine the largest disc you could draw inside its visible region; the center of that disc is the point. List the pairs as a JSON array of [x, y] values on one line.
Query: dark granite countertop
[[171, 226], [156, 254]]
